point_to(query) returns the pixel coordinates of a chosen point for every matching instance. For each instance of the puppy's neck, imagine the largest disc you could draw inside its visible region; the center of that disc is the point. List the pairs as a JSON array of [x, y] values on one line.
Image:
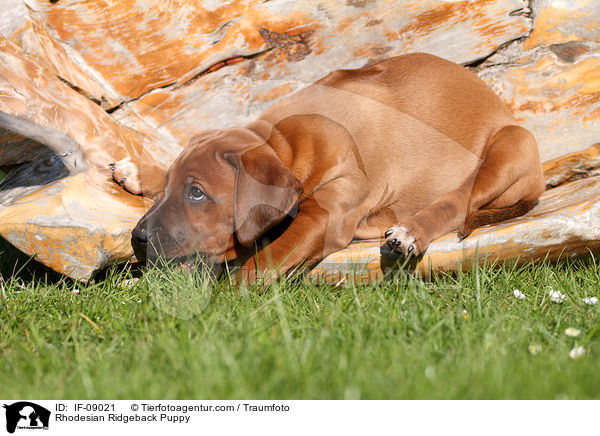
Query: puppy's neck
[[309, 145]]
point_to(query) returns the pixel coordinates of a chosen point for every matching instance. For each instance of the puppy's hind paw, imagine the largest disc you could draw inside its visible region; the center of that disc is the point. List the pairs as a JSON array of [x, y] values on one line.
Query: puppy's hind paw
[[126, 174], [400, 241]]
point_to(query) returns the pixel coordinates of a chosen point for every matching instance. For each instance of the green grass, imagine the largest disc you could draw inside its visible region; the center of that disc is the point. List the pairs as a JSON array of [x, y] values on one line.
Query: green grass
[[463, 337]]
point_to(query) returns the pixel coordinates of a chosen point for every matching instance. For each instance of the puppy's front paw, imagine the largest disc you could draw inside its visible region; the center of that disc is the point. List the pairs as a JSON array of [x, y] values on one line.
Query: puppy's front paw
[[401, 241], [126, 174]]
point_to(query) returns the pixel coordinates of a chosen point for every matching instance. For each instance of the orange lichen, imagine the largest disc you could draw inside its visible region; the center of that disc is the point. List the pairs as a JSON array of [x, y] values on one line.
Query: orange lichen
[[158, 101], [372, 51], [532, 106], [274, 93], [136, 51], [572, 88], [549, 20]]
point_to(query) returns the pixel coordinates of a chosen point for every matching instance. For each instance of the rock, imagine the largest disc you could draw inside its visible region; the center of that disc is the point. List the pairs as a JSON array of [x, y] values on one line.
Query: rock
[[75, 225], [35, 39], [313, 38], [564, 21], [573, 166], [159, 43], [554, 99], [16, 149], [147, 76]]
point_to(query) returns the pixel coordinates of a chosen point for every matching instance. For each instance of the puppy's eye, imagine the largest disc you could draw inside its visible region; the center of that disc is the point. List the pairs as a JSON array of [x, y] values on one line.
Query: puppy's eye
[[196, 193]]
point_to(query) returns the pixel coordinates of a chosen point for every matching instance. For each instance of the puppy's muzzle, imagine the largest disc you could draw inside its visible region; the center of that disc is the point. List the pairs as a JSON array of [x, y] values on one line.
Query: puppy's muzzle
[[147, 248], [139, 242], [145, 242]]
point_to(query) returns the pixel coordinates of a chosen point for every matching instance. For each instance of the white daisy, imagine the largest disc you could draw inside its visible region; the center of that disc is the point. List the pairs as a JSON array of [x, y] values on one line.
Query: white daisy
[[590, 300], [577, 352], [572, 331], [556, 296], [518, 294], [534, 349]]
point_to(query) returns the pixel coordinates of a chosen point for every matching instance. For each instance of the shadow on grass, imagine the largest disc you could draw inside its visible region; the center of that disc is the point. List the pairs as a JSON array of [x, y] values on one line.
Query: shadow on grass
[[18, 265]]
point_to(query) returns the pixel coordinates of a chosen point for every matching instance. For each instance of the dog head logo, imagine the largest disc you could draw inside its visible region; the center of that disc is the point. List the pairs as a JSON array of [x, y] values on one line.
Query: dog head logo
[[26, 415]]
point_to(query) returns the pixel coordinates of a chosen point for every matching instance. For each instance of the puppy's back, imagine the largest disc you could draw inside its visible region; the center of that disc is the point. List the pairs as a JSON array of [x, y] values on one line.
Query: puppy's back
[[440, 93]]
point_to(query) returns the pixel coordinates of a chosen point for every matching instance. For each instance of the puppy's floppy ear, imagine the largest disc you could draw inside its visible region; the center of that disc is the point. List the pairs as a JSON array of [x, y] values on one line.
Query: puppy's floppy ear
[[265, 192]]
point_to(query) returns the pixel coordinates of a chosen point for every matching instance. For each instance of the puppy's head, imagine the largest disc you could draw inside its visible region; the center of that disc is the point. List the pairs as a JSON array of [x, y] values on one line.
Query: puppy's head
[[226, 189]]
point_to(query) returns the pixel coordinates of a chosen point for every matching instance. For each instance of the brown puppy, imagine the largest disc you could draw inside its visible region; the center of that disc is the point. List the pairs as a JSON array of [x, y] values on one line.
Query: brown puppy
[[411, 148]]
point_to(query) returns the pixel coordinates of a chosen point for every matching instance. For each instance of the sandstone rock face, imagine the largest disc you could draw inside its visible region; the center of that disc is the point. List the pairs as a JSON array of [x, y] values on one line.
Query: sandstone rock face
[[83, 84]]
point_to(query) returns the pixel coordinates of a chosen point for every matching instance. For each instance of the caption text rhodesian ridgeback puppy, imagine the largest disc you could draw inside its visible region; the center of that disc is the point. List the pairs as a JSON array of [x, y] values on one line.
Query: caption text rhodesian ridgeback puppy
[[411, 148]]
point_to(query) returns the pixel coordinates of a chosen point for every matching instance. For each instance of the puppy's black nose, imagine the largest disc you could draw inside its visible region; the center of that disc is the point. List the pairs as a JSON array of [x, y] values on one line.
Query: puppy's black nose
[[139, 242], [140, 235]]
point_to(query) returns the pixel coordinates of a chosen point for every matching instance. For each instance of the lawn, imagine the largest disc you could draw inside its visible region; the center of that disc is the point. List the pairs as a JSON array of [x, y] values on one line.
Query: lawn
[[464, 337]]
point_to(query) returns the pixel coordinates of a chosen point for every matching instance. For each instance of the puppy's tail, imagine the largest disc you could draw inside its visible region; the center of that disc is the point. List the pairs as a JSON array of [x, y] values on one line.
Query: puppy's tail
[[483, 217]]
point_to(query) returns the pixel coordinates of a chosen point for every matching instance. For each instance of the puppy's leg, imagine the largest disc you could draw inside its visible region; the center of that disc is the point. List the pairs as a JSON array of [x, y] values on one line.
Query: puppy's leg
[[508, 183], [505, 185], [413, 235], [319, 229], [142, 178]]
